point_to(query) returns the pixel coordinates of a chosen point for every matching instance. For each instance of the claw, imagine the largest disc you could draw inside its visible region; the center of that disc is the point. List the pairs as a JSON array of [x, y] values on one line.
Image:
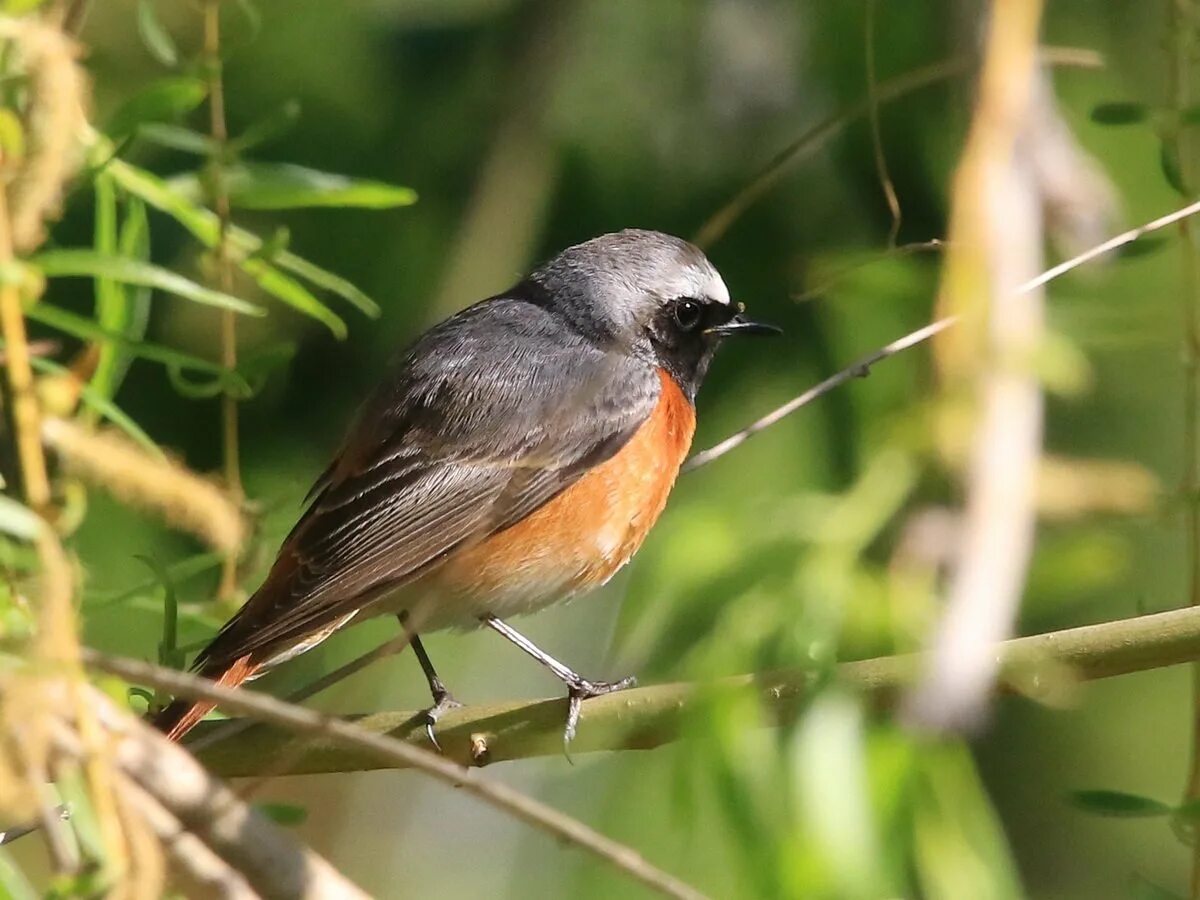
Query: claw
[[444, 701], [580, 690]]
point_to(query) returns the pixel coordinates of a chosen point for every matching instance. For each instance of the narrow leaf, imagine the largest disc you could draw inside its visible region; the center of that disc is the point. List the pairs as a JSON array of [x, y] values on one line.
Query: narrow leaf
[[285, 186], [155, 38], [164, 101], [1119, 113], [110, 299], [205, 227], [67, 263], [278, 123], [176, 137], [1119, 804], [324, 279]]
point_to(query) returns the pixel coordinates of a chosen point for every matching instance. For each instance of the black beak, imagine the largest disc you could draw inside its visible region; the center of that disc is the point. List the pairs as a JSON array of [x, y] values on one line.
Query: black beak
[[739, 324]]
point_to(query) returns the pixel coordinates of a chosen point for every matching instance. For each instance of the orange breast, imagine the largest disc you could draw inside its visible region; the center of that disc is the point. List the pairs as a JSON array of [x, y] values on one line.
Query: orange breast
[[584, 535]]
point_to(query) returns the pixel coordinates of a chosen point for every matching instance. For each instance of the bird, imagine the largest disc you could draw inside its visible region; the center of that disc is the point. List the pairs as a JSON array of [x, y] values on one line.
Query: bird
[[516, 455]]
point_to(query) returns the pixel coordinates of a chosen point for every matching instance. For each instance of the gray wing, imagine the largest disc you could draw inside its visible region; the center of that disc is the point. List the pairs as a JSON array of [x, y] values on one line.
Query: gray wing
[[487, 417]]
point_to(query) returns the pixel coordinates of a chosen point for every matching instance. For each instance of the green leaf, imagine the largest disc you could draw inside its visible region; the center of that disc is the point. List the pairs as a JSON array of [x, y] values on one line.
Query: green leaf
[[87, 330], [1143, 246], [110, 299], [324, 279], [205, 227], [1119, 113], [178, 573], [176, 137], [1119, 804], [68, 263], [103, 406], [169, 654], [276, 124], [285, 186], [1169, 162], [286, 814], [155, 38], [164, 101], [18, 520], [292, 293]]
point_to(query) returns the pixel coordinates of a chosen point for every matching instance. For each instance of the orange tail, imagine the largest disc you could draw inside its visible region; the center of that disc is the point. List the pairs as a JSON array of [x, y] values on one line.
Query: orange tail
[[182, 716]]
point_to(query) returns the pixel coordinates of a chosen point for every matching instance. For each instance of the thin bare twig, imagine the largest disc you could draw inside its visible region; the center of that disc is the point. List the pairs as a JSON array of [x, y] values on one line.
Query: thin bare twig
[[316, 725], [861, 368], [820, 134], [881, 166]]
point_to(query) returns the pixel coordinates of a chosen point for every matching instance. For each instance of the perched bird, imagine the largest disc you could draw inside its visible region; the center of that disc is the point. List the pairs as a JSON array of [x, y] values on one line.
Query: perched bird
[[517, 455]]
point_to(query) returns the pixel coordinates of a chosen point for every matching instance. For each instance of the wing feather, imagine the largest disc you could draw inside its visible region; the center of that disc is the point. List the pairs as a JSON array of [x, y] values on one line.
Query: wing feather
[[481, 423]]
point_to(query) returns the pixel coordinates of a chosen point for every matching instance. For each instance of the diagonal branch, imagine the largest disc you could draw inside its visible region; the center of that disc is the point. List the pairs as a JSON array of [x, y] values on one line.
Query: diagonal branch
[[390, 752]]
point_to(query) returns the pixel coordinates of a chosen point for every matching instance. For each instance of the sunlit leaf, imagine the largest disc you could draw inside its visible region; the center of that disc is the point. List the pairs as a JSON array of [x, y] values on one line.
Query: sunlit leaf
[[1119, 113], [285, 186], [1119, 804], [154, 36], [205, 227], [68, 263], [322, 278], [164, 101]]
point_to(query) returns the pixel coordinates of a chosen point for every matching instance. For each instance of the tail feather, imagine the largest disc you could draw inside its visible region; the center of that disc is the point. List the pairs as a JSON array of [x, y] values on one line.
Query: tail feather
[[181, 716]]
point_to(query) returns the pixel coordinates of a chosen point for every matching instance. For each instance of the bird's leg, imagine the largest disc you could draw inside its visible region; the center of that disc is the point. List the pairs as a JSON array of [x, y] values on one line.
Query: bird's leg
[[578, 687], [442, 698]]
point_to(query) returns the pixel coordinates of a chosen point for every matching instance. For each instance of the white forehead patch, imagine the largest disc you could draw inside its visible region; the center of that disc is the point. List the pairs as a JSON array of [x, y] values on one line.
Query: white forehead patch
[[699, 280]]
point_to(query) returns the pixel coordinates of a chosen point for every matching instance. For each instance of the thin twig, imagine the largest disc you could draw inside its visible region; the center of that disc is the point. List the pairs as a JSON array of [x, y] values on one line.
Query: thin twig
[[398, 753], [388, 648], [860, 369], [820, 134], [646, 717], [881, 166], [220, 198]]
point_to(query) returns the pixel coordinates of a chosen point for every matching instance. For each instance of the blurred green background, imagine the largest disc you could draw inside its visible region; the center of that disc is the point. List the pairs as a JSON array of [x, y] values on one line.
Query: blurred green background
[[527, 126]]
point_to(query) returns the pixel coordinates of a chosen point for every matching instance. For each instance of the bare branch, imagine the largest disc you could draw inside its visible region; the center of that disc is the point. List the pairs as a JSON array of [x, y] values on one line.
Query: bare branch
[[647, 717]]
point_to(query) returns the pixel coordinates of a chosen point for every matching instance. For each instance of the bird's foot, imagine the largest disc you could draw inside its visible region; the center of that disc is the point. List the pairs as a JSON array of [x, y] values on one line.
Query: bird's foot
[[581, 689], [442, 703]]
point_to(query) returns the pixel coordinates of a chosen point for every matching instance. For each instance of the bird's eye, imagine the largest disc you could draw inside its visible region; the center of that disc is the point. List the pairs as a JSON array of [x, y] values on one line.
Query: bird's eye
[[688, 314]]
